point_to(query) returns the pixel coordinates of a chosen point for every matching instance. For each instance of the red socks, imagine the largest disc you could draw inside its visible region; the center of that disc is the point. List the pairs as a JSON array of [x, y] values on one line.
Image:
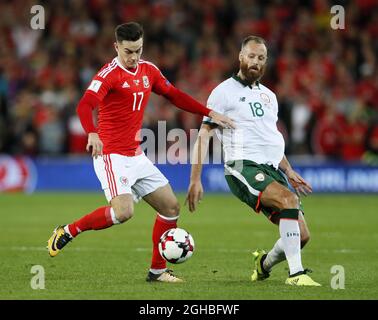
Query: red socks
[[98, 219], [101, 218], [161, 225]]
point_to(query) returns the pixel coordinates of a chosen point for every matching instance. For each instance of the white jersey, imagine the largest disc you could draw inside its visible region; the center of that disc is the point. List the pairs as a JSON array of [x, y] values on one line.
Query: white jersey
[[254, 111]]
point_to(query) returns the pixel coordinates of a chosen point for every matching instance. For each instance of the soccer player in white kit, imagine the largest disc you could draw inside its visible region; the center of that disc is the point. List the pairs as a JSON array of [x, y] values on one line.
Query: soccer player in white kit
[[120, 91], [256, 168]]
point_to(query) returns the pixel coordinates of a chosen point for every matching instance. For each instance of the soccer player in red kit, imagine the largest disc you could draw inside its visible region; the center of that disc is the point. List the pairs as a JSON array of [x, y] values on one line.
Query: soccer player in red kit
[[121, 90]]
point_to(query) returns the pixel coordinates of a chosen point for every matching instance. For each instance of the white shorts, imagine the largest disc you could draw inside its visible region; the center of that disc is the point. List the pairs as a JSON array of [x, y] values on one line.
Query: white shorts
[[120, 174]]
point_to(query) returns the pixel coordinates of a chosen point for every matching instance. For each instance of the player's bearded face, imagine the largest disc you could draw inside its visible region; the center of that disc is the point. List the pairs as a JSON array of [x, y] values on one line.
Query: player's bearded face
[[253, 59], [129, 52]]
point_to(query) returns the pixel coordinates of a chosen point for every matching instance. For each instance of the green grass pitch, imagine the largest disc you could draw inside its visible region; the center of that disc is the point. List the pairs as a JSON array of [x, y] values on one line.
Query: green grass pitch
[[113, 263]]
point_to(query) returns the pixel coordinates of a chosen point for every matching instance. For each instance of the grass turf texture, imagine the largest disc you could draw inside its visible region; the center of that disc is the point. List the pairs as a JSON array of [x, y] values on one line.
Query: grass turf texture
[[113, 263]]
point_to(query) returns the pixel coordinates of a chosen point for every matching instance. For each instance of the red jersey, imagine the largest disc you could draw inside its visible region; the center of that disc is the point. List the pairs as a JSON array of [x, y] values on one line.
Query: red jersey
[[123, 97]]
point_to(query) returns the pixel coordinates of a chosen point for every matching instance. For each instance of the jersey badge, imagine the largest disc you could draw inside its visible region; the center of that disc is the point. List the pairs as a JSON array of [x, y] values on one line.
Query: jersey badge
[[95, 85], [146, 83], [260, 177], [124, 181], [264, 97], [136, 82]]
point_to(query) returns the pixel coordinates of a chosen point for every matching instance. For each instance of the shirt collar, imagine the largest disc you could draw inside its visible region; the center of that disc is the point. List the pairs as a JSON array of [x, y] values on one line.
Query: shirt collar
[[133, 71], [244, 82]]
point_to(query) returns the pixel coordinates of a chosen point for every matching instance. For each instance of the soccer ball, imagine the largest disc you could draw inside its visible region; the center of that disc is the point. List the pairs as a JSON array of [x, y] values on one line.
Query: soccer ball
[[176, 245]]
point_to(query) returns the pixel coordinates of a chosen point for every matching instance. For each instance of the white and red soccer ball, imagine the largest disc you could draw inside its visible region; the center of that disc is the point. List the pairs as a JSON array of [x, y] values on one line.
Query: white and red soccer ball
[[176, 245]]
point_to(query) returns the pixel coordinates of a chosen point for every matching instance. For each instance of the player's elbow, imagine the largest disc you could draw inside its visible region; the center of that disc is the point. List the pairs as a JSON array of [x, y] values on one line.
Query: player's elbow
[[87, 103]]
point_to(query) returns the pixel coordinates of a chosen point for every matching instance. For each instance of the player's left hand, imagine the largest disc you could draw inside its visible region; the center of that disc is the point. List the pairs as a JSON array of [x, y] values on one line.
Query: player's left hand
[[194, 196], [300, 185], [94, 145], [222, 120]]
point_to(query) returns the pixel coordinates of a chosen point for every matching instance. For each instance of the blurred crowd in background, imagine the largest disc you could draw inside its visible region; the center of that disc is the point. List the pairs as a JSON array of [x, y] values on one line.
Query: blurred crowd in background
[[326, 80]]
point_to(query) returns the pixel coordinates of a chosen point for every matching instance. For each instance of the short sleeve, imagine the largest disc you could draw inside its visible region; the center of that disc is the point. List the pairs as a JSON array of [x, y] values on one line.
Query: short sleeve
[[216, 102]]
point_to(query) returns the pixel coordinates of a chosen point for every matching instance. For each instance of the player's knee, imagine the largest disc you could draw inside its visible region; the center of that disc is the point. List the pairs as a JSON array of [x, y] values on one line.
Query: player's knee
[[289, 200], [172, 209], [123, 213]]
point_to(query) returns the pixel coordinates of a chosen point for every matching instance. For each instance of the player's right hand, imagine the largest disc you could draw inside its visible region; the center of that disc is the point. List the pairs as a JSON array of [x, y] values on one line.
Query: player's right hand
[[194, 196], [95, 144], [300, 185]]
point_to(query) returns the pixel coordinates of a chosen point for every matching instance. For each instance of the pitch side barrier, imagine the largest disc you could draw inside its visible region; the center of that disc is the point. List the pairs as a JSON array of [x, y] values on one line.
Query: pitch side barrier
[[77, 174]]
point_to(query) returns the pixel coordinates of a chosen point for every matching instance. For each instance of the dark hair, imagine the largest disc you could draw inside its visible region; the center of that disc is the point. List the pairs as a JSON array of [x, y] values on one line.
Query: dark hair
[[130, 31], [253, 38]]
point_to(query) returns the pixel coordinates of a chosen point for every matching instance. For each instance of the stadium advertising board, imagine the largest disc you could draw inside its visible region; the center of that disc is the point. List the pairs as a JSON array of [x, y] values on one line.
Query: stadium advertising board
[[76, 174]]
